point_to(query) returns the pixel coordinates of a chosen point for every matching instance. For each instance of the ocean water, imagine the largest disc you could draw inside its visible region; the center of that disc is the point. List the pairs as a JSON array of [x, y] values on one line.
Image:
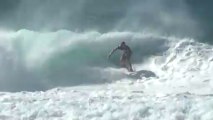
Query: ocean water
[[54, 66], [72, 78]]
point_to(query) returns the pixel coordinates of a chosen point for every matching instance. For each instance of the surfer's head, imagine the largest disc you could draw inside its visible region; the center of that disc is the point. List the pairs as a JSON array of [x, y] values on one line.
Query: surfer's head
[[123, 43]]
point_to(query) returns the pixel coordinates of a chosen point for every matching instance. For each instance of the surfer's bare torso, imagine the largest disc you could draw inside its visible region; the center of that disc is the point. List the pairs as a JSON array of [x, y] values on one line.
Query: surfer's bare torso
[[125, 57]]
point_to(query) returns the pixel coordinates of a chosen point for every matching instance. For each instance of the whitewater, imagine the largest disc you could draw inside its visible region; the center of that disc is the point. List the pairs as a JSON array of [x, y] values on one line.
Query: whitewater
[[65, 75]]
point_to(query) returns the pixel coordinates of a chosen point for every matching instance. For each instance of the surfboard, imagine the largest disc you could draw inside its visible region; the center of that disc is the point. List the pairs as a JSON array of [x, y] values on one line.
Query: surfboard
[[140, 74]]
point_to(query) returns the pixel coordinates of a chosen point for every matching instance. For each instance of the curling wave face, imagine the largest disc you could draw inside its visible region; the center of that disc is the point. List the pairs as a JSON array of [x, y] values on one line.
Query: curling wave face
[[41, 60]]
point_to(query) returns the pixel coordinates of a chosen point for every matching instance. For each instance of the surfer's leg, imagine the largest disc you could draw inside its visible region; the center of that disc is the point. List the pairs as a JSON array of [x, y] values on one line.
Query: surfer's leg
[[122, 61], [125, 62], [129, 66], [128, 62]]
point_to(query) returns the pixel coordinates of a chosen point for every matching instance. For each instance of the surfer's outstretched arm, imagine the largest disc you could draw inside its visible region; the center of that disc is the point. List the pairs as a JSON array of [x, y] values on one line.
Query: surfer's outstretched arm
[[112, 52]]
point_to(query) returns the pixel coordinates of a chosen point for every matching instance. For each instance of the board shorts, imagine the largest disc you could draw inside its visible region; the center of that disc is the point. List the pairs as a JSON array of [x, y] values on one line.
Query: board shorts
[[126, 56]]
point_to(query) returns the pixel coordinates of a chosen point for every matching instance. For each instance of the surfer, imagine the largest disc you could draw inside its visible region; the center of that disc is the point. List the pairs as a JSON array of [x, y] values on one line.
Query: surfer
[[125, 57]]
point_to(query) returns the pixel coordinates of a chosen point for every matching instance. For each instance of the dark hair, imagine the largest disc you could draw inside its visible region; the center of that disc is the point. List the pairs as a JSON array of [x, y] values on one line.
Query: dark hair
[[123, 42]]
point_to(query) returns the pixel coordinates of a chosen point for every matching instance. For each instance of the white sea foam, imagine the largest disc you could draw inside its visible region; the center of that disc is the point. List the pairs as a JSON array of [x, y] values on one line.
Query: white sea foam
[[105, 102]]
